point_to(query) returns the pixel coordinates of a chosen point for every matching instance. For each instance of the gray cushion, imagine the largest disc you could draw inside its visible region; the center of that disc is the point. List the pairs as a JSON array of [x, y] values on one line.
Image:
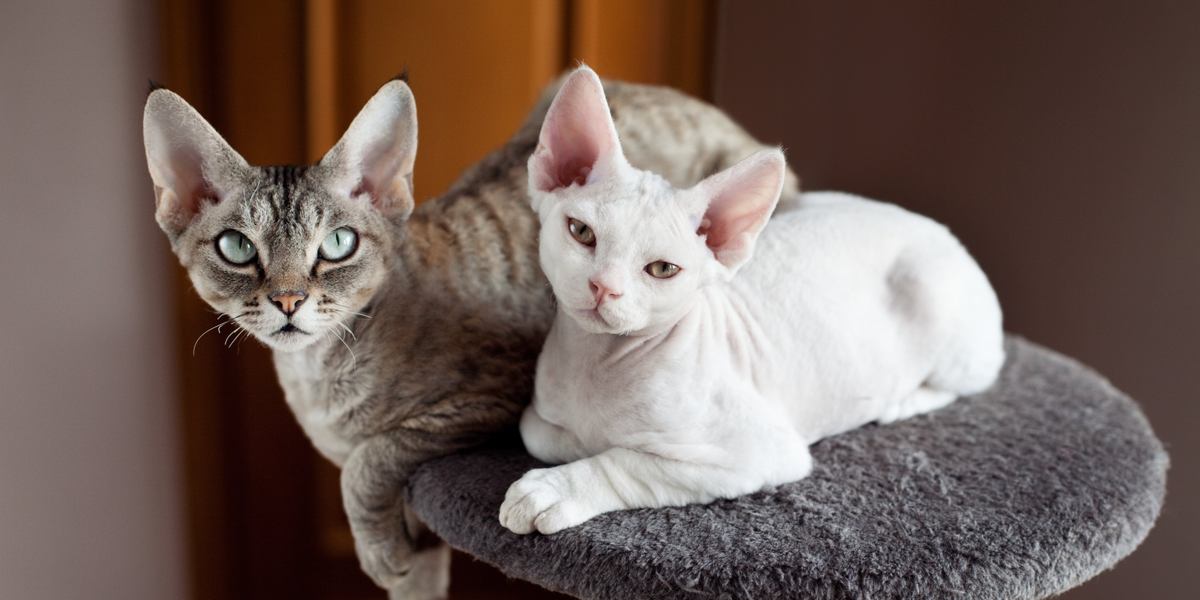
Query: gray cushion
[[1021, 492]]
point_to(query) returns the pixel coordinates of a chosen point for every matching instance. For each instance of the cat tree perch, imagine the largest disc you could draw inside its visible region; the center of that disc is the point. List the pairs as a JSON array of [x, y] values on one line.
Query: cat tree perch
[[1025, 491]]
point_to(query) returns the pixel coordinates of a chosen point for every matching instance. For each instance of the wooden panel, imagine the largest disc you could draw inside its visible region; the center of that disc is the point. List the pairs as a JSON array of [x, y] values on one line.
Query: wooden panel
[[650, 41], [321, 77], [475, 67]]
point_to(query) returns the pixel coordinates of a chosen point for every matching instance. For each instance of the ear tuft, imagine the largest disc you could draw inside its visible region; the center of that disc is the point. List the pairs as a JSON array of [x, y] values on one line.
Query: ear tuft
[[578, 141], [737, 203], [402, 75], [375, 156]]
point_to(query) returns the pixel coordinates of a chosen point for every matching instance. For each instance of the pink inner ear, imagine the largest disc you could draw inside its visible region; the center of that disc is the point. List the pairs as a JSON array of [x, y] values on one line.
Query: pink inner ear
[[725, 220], [740, 200], [576, 135], [572, 173], [188, 179], [575, 145]]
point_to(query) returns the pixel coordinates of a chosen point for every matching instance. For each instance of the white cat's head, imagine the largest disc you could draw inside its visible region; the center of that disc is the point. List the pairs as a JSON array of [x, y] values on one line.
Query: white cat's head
[[625, 251]]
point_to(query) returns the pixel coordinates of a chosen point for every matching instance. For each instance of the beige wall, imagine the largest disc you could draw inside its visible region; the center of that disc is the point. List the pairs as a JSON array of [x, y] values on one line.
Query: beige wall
[[89, 476]]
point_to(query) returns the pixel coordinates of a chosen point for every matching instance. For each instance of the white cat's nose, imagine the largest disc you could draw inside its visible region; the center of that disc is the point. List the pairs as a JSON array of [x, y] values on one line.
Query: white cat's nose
[[602, 291]]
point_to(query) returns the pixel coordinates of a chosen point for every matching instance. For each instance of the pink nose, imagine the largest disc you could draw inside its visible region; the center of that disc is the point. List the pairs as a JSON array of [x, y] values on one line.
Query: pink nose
[[288, 301], [602, 292]]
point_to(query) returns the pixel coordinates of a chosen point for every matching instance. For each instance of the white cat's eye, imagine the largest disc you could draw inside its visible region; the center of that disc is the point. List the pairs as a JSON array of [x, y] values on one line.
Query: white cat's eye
[[339, 244], [581, 232], [235, 247], [661, 269]]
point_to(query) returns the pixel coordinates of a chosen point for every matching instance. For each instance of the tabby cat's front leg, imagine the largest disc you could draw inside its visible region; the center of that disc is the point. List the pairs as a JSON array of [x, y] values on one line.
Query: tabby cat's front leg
[[393, 547]]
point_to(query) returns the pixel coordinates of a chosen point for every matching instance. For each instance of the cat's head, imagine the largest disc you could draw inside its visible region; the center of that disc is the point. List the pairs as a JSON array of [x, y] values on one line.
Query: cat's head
[[624, 250], [289, 253]]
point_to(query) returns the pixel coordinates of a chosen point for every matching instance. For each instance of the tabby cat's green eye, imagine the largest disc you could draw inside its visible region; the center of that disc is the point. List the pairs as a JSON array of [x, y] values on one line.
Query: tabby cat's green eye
[[235, 247], [339, 244], [581, 232], [662, 269]]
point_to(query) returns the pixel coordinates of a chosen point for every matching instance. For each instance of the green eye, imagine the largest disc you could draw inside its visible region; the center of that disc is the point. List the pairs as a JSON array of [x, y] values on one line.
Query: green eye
[[235, 247], [581, 232], [339, 244], [662, 269]]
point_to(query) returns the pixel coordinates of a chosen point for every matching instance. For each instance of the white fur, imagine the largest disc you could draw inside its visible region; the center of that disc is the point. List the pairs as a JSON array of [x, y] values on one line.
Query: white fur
[[713, 383]]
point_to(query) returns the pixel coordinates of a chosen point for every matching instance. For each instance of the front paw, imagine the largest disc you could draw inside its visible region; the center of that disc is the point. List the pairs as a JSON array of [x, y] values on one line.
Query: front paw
[[541, 500], [386, 562]]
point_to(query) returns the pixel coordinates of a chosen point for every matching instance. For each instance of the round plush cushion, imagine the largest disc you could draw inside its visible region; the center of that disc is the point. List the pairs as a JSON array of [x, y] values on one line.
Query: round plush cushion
[[1024, 491]]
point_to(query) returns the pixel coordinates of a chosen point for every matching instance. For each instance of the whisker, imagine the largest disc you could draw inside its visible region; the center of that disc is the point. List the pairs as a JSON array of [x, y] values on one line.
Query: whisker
[[218, 327], [353, 358], [233, 336], [241, 337], [346, 310]]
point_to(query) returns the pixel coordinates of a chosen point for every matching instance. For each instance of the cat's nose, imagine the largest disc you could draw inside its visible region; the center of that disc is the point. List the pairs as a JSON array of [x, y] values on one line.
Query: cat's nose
[[288, 301], [602, 292]]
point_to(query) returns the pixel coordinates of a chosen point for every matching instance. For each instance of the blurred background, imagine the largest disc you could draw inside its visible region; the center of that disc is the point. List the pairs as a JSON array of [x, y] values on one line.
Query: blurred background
[[1060, 140]]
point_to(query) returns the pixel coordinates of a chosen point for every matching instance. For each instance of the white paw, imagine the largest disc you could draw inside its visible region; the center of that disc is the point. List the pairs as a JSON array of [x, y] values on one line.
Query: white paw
[[541, 500]]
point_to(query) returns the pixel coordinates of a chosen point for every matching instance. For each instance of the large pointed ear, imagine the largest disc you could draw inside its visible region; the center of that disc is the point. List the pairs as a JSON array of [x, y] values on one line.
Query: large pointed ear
[[189, 161], [578, 142], [737, 203], [374, 159]]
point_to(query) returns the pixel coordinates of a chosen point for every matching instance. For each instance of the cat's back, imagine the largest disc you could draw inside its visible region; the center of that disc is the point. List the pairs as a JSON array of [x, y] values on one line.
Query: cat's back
[[830, 232]]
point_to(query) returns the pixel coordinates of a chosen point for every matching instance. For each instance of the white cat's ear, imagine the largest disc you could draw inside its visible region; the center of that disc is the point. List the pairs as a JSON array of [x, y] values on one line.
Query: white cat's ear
[[733, 206], [189, 161], [578, 142], [374, 159]]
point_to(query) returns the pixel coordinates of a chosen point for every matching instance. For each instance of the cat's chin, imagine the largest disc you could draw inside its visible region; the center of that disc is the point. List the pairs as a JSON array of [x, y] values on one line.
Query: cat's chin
[[594, 321], [288, 340]]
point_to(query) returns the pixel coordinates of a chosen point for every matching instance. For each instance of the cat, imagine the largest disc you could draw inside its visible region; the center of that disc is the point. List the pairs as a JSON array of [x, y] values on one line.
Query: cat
[[681, 370], [398, 333]]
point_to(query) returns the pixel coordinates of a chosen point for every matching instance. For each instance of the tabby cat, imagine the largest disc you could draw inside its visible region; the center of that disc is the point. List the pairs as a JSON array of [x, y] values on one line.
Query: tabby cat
[[399, 333]]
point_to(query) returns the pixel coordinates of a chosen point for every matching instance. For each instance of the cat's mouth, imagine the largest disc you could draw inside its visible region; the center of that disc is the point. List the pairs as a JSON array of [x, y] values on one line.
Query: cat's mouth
[[290, 329], [592, 314]]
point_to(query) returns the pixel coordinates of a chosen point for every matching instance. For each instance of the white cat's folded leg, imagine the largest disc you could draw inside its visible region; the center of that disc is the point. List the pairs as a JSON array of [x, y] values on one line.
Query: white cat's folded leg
[[548, 442], [922, 400], [550, 500]]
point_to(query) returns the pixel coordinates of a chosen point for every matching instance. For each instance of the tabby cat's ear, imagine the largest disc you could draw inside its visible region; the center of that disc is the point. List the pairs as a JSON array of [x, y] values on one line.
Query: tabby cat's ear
[[374, 159], [733, 206], [189, 161], [578, 142]]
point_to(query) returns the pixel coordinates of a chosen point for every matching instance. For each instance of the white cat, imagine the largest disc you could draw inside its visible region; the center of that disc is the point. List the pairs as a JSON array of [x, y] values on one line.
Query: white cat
[[680, 371]]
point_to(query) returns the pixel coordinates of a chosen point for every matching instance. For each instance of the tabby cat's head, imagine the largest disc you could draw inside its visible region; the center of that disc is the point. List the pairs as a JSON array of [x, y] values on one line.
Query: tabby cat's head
[[624, 250], [288, 252]]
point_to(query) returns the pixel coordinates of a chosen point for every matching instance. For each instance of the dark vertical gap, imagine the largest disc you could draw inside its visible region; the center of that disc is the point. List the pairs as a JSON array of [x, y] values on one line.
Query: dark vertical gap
[[301, 51], [708, 39], [717, 12], [567, 58]]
